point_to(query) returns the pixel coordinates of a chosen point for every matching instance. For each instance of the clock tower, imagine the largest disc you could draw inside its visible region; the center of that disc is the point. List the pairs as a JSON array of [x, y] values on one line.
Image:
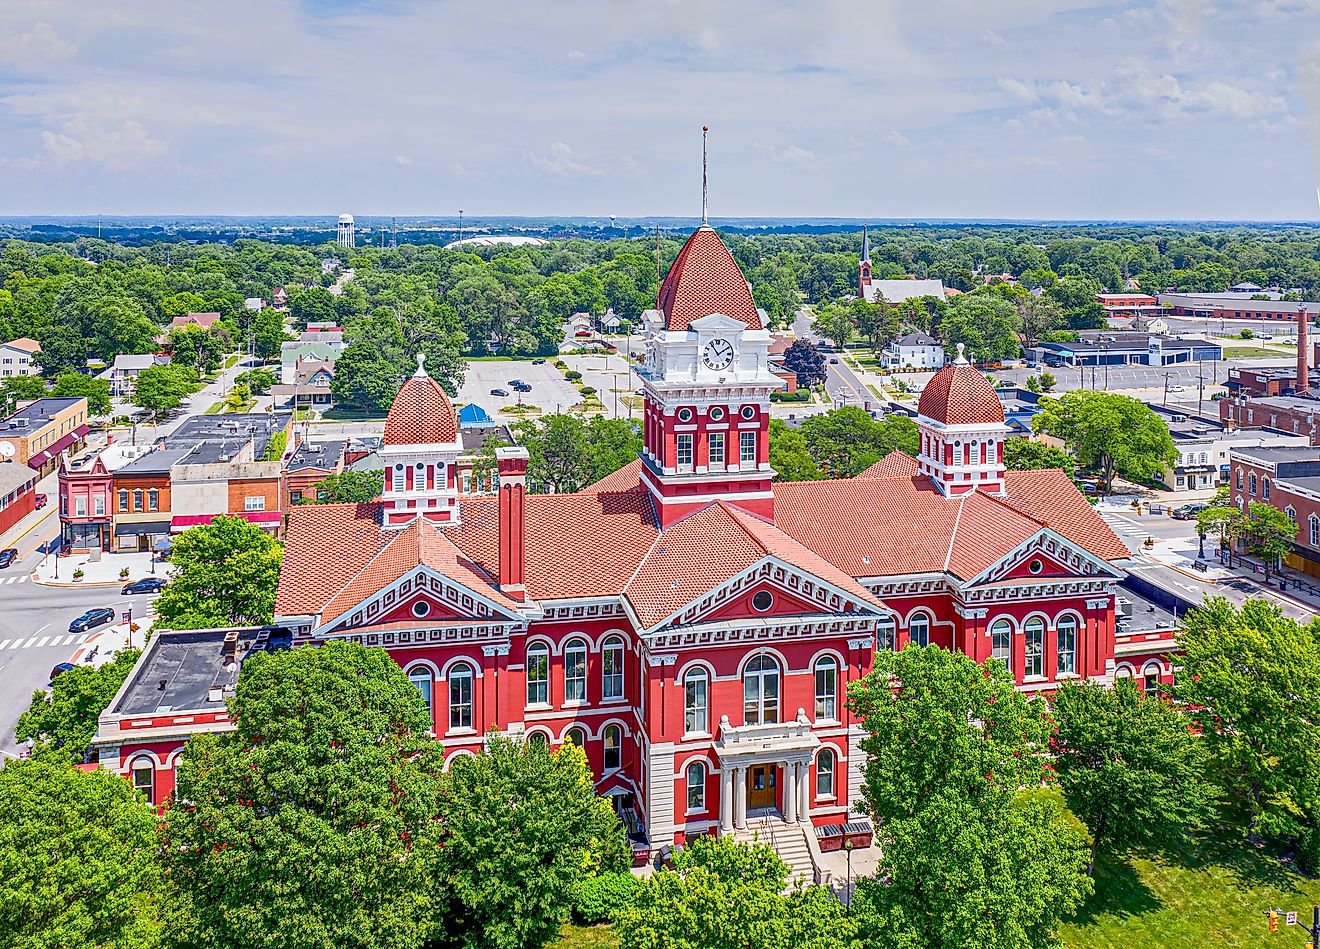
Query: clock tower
[[706, 425]]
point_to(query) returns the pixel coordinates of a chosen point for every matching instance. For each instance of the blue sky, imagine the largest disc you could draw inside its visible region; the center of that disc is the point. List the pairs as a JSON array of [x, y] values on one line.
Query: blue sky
[[862, 108]]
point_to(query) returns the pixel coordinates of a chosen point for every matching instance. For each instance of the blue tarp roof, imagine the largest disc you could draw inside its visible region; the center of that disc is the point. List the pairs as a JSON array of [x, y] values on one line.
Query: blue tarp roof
[[473, 416]]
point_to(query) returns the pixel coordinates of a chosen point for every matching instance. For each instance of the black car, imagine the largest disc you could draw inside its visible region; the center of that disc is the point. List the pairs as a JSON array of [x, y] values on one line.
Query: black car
[[7, 557], [145, 585], [517, 383], [499, 392], [522, 387], [92, 619], [538, 362]]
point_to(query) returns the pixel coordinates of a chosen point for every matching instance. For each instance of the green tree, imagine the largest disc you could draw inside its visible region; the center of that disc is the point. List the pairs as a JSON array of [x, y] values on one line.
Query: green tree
[[967, 856], [1251, 681], [1047, 381], [725, 894], [522, 825], [846, 441], [1220, 521], [365, 379], [258, 381], [1129, 767], [312, 305], [76, 385], [789, 455], [312, 825], [803, 358], [559, 458], [987, 324], [1269, 533], [62, 348], [224, 574], [78, 860], [837, 323], [161, 388], [1038, 315], [119, 325], [1025, 454], [1113, 433], [268, 333], [611, 444], [22, 389], [62, 721], [347, 487]]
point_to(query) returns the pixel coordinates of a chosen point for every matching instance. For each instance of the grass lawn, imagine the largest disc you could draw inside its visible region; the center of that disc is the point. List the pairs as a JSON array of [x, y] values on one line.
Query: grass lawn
[[1254, 352], [1211, 896], [586, 937]]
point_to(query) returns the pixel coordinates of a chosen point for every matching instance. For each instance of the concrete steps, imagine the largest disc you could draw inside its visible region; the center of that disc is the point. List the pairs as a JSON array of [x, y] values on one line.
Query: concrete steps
[[787, 840]]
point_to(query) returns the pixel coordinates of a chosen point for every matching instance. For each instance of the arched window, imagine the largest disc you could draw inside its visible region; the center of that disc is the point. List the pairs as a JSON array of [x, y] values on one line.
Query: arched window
[[1001, 636], [885, 638], [575, 671], [1313, 523], [613, 747], [1150, 679], [1292, 513], [538, 674], [396, 478], [696, 787], [1034, 636], [143, 771], [612, 669], [695, 684], [577, 736], [1067, 641], [420, 677], [1239, 479], [1265, 489], [919, 629], [761, 691], [825, 765], [460, 696], [1251, 480], [827, 689], [538, 740]]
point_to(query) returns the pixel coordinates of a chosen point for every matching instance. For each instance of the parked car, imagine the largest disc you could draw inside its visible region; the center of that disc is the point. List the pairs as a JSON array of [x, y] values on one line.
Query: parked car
[[92, 619], [538, 362], [42, 501], [1188, 512], [7, 557], [834, 360], [1177, 388], [499, 392], [145, 585], [516, 383], [60, 669], [522, 387], [581, 333]]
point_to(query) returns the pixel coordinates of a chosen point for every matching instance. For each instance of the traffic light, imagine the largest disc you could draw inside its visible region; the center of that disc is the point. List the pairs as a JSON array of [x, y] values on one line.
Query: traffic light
[[1274, 921]]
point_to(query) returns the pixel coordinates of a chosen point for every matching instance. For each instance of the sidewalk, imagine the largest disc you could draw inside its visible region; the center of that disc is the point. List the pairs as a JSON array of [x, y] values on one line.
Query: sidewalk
[[48, 486], [1180, 554], [96, 573]]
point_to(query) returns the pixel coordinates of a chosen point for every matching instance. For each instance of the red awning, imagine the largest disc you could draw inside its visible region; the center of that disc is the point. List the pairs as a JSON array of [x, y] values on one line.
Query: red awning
[[39, 460], [182, 522]]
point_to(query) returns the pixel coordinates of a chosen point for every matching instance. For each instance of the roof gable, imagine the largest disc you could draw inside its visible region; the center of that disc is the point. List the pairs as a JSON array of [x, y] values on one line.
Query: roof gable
[[705, 279]]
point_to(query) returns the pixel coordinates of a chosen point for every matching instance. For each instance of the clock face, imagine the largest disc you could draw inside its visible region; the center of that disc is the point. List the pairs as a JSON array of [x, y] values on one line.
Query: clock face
[[718, 354]]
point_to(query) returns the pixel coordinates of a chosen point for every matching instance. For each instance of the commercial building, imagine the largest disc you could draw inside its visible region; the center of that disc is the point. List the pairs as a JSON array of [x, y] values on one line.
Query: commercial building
[[308, 465], [1287, 479], [1234, 306], [1101, 348], [690, 623], [1282, 413], [87, 496], [37, 433], [17, 493]]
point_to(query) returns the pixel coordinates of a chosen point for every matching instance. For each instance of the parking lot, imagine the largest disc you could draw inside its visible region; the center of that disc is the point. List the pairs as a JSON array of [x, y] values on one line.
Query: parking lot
[[550, 390]]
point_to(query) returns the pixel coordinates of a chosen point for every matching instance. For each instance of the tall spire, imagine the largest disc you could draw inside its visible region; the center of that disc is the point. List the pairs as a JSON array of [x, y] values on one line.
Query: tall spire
[[704, 130], [866, 245]]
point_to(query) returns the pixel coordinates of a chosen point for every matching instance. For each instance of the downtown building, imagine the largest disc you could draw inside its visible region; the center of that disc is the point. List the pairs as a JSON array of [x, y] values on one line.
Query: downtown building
[[691, 623]]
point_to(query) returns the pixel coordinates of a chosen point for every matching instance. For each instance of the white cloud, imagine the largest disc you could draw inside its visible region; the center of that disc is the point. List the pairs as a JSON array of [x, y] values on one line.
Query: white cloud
[[790, 154], [404, 160], [560, 162], [895, 137], [37, 48]]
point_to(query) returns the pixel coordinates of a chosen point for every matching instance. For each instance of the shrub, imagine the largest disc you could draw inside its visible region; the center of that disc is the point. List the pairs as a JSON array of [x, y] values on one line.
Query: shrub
[[588, 390], [573, 375], [560, 364], [602, 898], [801, 395]]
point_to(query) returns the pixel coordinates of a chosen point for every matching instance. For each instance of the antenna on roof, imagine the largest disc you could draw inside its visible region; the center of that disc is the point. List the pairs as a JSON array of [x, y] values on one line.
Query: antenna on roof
[[704, 130], [657, 265]]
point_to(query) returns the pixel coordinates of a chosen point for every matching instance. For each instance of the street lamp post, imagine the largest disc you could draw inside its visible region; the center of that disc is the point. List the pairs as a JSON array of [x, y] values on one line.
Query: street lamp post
[[847, 850]]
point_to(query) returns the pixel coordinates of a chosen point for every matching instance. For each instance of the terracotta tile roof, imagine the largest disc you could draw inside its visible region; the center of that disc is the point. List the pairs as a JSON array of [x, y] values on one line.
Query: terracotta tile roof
[[985, 530], [703, 550], [576, 544], [959, 395], [1051, 498], [324, 546], [421, 414], [705, 279], [627, 478], [420, 543], [896, 464]]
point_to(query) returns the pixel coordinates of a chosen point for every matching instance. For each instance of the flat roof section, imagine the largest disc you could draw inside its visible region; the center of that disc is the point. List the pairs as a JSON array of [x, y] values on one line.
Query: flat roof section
[[179, 671]]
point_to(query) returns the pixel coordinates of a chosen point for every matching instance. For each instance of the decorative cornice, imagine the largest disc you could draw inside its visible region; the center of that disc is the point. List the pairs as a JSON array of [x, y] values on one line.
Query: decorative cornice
[[1097, 604], [755, 632], [967, 612], [662, 659], [865, 643]]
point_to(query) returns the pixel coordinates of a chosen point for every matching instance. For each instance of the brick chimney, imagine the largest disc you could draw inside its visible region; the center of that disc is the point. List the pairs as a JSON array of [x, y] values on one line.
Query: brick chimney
[[1303, 348], [511, 463]]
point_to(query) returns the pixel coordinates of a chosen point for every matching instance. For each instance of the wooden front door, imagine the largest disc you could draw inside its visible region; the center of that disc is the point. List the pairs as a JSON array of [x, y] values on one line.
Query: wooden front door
[[761, 781]]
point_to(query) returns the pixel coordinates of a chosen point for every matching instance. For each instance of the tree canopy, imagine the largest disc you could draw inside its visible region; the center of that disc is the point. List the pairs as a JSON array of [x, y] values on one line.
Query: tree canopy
[[62, 721], [846, 441], [567, 452], [1112, 433], [1026, 454], [347, 487], [224, 573], [161, 388]]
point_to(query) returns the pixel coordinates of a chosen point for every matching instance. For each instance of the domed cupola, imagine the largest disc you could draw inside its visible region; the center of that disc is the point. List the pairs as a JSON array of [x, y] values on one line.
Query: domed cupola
[[962, 430], [421, 446]]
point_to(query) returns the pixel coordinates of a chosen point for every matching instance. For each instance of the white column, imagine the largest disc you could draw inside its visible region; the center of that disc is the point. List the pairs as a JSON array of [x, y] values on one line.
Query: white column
[[790, 790], [726, 799], [804, 790], [740, 797]]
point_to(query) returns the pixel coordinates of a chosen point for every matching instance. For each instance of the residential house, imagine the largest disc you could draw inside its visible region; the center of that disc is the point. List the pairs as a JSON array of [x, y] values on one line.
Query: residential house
[[204, 320], [310, 388], [18, 357], [914, 351], [293, 354], [123, 373]]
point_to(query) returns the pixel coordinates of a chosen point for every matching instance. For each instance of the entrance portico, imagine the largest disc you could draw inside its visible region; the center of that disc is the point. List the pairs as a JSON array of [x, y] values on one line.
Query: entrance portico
[[757, 759]]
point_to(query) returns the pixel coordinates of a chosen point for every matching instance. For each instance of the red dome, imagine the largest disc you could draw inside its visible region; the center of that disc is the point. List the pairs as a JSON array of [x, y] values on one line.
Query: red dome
[[421, 414], [705, 279], [960, 395]]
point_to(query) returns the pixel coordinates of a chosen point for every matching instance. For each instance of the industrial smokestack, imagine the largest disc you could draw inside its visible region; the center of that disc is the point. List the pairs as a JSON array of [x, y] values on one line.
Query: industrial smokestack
[[1303, 349]]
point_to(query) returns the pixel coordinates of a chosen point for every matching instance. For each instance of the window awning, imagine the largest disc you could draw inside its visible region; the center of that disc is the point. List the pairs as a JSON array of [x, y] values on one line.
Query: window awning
[[131, 528], [261, 518], [40, 459]]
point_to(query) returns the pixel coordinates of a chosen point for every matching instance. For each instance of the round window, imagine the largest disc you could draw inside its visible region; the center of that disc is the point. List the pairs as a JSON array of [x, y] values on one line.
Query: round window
[[398, 467], [685, 415], [763, 600], [749, 412], [716, 413], [421, 608], [1035, 566]]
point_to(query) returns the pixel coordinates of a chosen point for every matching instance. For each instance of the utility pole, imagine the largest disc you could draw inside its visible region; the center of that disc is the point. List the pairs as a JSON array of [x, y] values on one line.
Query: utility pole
[[460, 224], [1200, 388], [1166, 387]]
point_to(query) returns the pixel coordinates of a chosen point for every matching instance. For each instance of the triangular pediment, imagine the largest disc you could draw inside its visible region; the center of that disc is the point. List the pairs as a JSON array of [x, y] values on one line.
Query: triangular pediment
[[445, 600], [1045, 556], [717, 323]]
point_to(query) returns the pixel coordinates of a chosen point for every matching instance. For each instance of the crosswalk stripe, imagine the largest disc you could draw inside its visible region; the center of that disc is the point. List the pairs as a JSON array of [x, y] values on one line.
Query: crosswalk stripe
[[23, 579], [10, 579], [28, 643], [44, 640], [4, 645]]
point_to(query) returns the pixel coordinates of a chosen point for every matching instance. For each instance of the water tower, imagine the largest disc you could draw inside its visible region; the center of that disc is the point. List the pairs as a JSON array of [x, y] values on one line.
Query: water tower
[[347, 236]]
